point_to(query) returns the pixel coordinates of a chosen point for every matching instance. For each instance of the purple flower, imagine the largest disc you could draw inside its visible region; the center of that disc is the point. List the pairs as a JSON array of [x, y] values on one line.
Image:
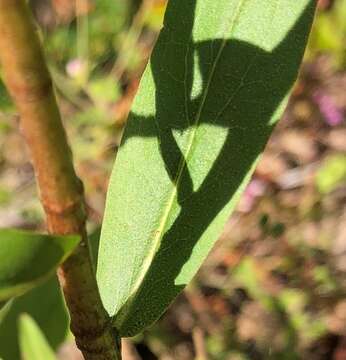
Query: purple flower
[[331, 113]]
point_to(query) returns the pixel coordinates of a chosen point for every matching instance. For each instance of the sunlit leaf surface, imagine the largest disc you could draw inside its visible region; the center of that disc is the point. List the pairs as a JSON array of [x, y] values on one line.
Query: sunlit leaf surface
[[217, 83]]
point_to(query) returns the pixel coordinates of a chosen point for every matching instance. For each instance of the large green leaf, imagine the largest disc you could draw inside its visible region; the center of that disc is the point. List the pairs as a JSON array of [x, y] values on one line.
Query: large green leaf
[[216, 84], [27, 259], [45, 304], [33, 344]]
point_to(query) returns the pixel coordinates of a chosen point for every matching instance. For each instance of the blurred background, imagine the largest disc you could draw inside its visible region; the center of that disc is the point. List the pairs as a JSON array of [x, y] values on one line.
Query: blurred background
[[274, 286]]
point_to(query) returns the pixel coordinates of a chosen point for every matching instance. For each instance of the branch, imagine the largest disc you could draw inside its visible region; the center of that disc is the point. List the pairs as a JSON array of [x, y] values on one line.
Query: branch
[[61, 192]]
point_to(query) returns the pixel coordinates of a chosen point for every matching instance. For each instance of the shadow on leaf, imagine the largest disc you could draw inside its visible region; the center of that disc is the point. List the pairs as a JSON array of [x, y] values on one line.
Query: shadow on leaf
[[243, 88]]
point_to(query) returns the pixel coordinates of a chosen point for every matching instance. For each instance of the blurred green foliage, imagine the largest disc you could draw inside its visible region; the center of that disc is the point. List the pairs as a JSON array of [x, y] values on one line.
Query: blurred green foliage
[[104, 25], [46, 306], [329, 35], [331, 174], [33, 344], [5, 101]]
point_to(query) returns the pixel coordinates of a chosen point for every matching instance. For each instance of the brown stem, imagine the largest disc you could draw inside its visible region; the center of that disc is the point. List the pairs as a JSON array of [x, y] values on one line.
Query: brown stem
[[30, 85], [199, 343]]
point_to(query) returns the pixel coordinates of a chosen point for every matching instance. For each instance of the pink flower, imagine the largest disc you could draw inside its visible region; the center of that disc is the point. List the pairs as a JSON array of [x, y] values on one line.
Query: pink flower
[[255, 189], [331, 113]]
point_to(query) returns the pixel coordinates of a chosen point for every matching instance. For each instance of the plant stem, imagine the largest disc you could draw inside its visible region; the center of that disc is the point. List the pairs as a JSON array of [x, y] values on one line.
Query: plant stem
[[30, 85]]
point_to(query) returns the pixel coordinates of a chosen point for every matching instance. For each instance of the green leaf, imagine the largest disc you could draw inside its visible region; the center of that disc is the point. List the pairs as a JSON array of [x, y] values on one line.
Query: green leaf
[[27, 259], [45, 304], [217, 82], [94, 240], [4, 308], [33, 344]]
